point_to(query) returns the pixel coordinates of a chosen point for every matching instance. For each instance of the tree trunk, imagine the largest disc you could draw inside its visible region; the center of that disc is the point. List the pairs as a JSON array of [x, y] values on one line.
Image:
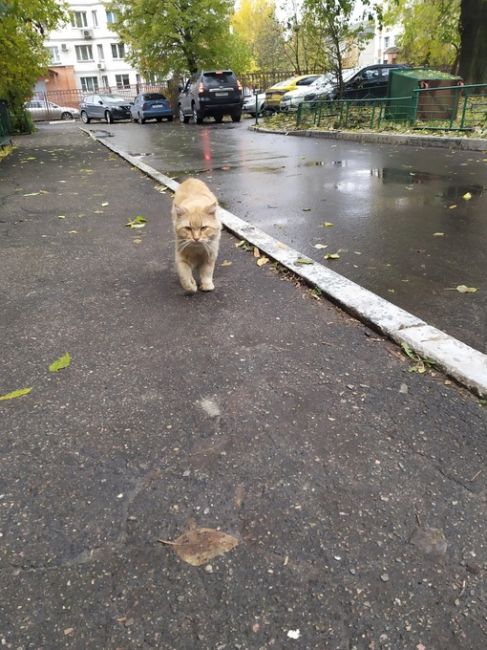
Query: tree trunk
[[473, 44]]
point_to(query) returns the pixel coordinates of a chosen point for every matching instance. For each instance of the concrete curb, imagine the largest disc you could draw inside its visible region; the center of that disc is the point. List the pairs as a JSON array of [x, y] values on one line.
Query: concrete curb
[[464, 144], [456, 359]]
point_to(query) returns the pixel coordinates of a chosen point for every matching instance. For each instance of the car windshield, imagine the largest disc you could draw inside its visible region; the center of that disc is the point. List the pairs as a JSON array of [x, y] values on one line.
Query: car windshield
[[215, 79], [110, 99], [153, 96]]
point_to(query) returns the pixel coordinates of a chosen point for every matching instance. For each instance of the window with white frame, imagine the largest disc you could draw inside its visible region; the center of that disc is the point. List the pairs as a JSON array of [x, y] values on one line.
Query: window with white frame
[[110, 17], [101, 52], [78, 19], [94, 18], [84, 52], [104, 81], [54, 54], [89, 84], [122, 80], [118, 50]]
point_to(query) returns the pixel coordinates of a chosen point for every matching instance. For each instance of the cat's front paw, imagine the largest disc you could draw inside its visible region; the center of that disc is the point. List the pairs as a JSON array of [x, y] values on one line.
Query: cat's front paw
[[207, 285], [189, 286]]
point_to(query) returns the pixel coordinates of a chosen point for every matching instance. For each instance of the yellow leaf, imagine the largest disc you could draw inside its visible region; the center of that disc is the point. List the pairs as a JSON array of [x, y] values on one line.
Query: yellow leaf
[[320, 246], [467, 196], [327, 224], [262, 260], [226, 263], [73, 232], [332, 256], [256, 252], [240, 243], [137, 241], [438, 234], [452, 207], [16, 393], [462, 288], [104, 204], [280, 244], [61, 216], [199, 545]]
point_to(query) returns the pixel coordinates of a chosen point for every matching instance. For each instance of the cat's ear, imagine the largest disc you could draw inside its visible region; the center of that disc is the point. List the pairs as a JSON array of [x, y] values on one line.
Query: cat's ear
[[179, 210], [211, 209]]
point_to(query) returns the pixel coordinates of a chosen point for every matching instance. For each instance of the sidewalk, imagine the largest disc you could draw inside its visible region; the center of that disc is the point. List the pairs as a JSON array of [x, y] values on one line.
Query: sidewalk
[[256, 409]]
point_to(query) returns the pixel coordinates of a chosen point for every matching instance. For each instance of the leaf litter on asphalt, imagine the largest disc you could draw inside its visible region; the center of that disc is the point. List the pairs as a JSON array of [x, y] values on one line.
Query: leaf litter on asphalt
[[226, 263], [20, 392], [462, 288], [137, 222], [262, 260], [61, 363], [199, 545], [332, 256]]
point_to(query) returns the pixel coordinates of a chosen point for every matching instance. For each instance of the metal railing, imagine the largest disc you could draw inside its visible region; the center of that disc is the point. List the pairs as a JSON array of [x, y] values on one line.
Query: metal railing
[[447, 108]]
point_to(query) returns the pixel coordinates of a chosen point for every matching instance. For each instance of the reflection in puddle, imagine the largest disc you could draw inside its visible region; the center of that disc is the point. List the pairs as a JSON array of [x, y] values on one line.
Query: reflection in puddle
[[406, 177], [325, 163]]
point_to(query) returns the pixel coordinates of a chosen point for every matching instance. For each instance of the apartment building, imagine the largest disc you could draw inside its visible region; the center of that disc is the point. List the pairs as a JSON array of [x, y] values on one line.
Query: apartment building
[[86, 54]]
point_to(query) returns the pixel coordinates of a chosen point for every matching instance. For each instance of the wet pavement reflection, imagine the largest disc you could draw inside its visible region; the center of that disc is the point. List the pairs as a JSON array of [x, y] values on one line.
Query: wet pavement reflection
[[408, 223]]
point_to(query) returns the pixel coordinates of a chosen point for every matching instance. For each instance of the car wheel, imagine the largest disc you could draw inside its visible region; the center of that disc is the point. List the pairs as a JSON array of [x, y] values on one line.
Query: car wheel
[[197, 117], [158, 119], [182, 116], [84, 117], [66, 116], [108, 117], [236, 117], [218, 118], [169, 118], [141, 119]]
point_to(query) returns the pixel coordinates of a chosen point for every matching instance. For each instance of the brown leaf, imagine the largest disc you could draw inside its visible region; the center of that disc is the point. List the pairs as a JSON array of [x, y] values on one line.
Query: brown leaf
[[199, 545], [256, 252], [226, 263]]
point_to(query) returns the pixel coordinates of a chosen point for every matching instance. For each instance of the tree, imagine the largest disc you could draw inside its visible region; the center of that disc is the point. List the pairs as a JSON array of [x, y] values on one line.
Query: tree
[[430, 31], [341, 32], [473, 45], [174, 36], [23, 58]]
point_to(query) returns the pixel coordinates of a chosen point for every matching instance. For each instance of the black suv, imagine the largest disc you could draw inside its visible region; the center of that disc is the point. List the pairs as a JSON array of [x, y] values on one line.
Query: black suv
[[104, 107], [367, 83], [212, 93]]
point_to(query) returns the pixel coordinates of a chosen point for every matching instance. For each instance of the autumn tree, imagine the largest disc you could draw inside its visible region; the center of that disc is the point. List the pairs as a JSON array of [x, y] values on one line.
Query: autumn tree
[[23, 58], [306, 42], [177, 36]]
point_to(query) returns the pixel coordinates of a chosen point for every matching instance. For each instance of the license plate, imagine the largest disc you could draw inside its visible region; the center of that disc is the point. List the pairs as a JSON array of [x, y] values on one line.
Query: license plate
[[221, 94]]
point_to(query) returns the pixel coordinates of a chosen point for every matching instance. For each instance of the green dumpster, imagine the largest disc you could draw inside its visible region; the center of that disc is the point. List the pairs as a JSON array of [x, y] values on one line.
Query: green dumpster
[[435, 99]]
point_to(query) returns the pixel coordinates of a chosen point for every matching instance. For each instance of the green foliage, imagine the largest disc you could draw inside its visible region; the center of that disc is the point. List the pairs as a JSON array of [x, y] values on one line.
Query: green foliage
[[177, 36], [23, 24], [430, 31]]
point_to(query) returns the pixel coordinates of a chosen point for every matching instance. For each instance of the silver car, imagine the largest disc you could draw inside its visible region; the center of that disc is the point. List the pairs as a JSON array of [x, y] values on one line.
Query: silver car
[[43, 110], [249, 104]]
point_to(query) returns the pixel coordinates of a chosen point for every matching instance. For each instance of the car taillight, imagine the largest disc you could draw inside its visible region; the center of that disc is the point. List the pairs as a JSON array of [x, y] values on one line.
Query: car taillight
[[201, 89]]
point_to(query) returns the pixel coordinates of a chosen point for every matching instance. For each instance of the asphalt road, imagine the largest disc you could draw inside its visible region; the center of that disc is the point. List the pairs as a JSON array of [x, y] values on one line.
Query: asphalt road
[[388, 206]]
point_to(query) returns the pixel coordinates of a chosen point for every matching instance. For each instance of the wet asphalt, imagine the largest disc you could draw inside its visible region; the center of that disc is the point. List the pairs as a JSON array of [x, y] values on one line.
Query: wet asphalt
[[401, 224], [355, 488]]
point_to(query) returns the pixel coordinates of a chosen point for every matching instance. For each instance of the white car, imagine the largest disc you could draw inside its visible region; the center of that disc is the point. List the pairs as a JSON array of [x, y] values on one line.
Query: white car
[[42, 110], [249, 104], [292, 99]]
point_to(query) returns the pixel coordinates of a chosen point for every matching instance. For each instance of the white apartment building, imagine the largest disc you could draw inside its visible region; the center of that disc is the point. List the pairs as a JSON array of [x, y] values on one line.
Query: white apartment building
[[93, 54]]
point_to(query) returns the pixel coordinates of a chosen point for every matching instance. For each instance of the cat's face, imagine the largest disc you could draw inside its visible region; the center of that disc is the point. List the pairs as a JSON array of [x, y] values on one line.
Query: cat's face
[[196, 224]]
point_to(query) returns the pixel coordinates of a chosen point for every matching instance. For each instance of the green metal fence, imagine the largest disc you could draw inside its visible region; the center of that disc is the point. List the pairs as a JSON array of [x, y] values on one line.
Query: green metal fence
[[455, 108], [5, 128]]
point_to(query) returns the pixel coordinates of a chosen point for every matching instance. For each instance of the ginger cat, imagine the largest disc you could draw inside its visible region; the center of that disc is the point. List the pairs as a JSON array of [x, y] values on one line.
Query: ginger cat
[[197, 229]]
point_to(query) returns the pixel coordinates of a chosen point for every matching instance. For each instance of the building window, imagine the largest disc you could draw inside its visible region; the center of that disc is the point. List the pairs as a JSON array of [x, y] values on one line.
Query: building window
[[94, 18], [101, 53], [122, 80], [78, 19], [54, 54], [138, 80], [89, 84], [118, 50], [84, 52], [104, 81], [386, 42], [110, 17]]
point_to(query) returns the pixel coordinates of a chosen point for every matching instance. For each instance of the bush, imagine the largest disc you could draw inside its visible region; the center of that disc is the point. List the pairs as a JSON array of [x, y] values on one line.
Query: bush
[[21, 120]]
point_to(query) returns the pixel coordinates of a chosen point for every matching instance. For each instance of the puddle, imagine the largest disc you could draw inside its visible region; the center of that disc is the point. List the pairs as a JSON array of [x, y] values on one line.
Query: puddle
[[266, 168], [407, 177], [325, 163]]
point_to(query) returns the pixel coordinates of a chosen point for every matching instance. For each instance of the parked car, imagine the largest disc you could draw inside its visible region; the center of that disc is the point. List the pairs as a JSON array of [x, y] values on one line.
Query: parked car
[[273, 95], [249, 104], [293, 98], [104, 107], [42, 110], [325, 91], [151, 106], [368, 83], [211, 93]]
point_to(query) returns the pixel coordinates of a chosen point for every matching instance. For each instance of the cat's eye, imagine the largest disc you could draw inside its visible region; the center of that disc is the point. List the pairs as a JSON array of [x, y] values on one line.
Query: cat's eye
[[204, 227]]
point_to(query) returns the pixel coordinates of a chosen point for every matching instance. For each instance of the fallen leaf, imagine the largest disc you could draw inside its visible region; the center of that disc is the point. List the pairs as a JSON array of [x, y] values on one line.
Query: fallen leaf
[[306, 209], [226, 263], [32, 194], [61, 363], [69, 631], [136, 222], [256, 252], [327, 224], [240, 243], [262, 260], [332, 256], [280, 244], [452, 207], [320, 246], [462, 288], [304, 260], [467, 196], [72, 232], [137, 241], [15, 393], [199, 545], [104, 204], [61, 216], [438, 234], [294, 634]]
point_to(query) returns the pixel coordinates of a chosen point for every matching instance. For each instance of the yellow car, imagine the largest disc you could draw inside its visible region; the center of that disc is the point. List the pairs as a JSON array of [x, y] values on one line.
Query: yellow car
[[273, 95]]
